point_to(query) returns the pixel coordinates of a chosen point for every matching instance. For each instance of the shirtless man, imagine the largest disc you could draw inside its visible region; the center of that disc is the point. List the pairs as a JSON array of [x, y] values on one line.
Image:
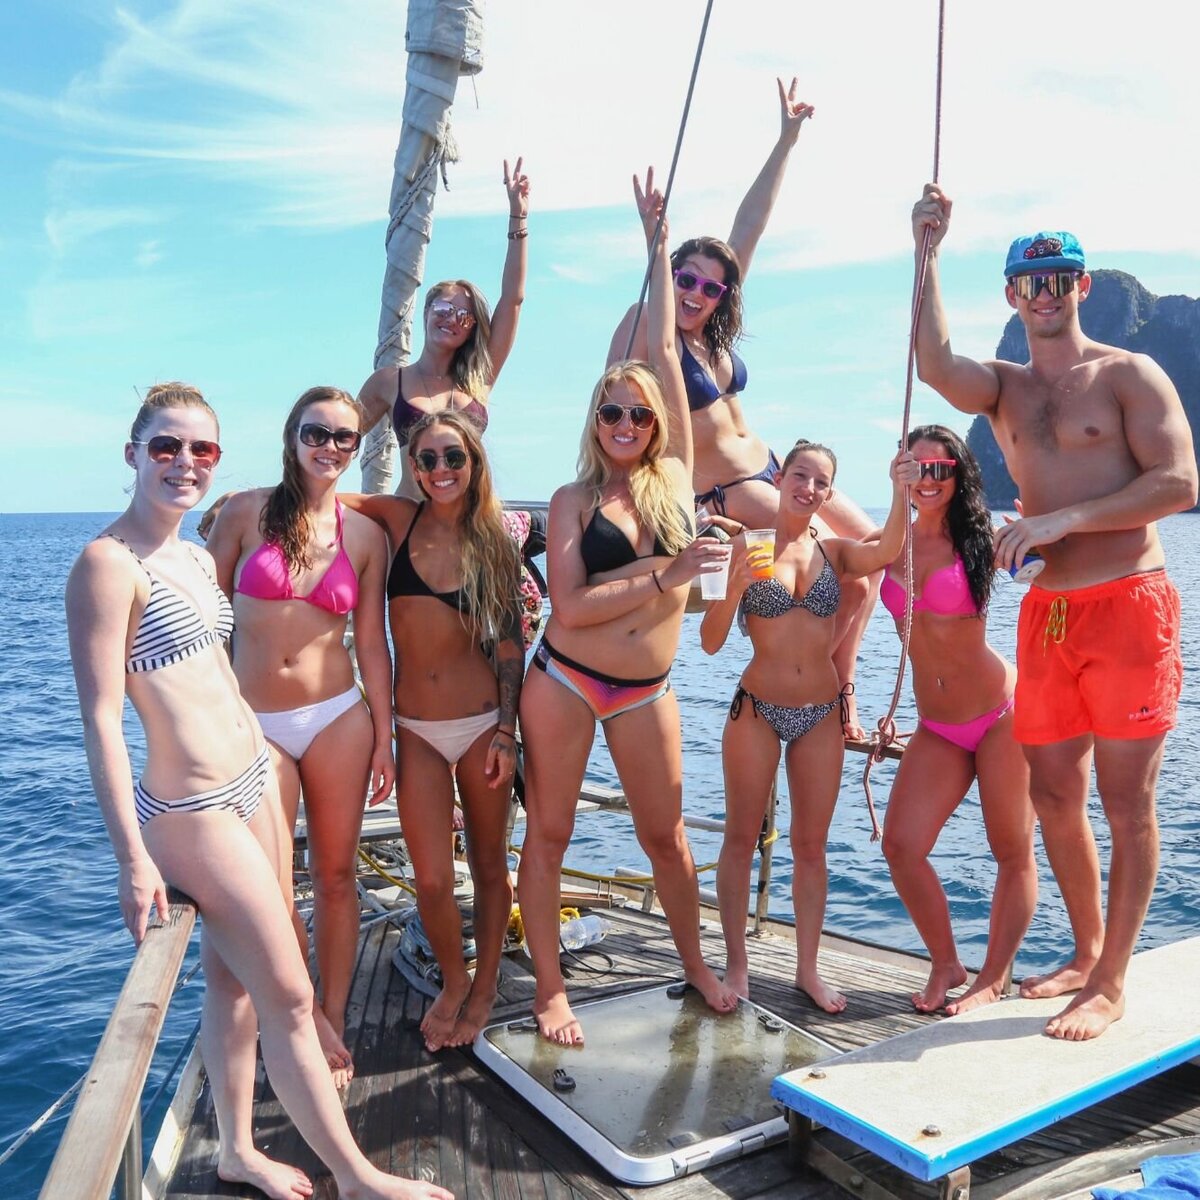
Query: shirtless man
[[1097, 441]]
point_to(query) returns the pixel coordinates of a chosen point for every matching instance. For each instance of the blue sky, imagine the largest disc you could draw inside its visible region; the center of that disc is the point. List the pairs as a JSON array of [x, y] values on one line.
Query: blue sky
[[197, 190]]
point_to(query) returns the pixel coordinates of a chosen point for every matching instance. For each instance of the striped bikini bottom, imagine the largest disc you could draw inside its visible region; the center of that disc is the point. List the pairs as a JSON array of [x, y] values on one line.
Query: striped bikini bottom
[[240, 796]]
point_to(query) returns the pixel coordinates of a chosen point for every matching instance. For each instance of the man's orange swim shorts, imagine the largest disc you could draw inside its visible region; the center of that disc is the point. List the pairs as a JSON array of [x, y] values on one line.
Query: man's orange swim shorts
[[1103, 660]]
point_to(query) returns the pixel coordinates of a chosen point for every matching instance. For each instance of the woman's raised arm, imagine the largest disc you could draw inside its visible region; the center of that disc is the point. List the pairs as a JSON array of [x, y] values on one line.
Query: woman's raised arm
[[516, 261], [660, 324]]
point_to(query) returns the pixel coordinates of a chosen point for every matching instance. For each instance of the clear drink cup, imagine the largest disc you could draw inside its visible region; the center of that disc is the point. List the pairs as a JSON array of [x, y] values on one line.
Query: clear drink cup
[[714, 584], [761, 545]]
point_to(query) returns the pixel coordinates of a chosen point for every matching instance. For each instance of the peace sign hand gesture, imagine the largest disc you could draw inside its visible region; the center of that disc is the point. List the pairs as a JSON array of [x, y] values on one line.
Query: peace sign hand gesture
[[792, 112], [516, 184], [650, 206]]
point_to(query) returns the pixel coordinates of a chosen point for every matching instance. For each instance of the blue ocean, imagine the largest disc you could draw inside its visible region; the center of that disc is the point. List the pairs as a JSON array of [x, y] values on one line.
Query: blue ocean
[[64, 951]]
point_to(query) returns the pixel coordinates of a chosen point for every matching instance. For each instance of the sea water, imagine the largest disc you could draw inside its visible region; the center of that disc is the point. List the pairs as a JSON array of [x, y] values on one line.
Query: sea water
[[64, 951]]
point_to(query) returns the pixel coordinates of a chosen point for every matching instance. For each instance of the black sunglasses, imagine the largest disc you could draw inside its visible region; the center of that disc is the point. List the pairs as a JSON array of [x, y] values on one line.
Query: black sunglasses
[[1057, 283], [640, 417], [427, 460], [165, 448], [317, 435]]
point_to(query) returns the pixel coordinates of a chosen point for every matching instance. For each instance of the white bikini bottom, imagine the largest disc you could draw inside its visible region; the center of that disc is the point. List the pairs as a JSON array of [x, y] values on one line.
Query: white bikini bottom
[[294, 729], [453, 738]]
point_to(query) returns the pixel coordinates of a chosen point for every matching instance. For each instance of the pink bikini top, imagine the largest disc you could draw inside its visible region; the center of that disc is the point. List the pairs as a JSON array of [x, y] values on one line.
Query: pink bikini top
[[267, 576], [946, 592]]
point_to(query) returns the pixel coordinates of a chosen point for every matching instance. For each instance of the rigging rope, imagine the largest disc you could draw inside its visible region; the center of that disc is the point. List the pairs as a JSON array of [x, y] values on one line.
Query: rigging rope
[[885, 731], [687, 106]]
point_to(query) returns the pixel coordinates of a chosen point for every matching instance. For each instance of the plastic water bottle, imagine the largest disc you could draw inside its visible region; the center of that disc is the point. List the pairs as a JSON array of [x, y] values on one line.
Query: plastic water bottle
[[582, 931]]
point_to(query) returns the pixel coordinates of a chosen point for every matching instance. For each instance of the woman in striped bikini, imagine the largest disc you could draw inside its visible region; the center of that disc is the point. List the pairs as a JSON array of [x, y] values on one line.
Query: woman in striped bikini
[[146, 619]]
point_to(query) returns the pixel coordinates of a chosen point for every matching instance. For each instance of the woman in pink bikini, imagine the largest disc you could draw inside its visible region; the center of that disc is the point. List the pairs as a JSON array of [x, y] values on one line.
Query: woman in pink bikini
[[296, 564], [465, 345], [956, 672]]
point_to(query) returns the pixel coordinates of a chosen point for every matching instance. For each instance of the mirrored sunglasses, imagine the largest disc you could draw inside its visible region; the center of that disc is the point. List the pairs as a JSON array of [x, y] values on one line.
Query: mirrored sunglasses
[[938, 469], [165, 448], [427, 460], [640, 417], [1057, 283], [443, 310], [347, 440], [688, 281]]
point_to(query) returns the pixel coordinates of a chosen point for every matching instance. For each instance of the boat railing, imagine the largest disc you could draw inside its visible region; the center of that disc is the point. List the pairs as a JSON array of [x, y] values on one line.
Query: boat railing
[[102, 1143]]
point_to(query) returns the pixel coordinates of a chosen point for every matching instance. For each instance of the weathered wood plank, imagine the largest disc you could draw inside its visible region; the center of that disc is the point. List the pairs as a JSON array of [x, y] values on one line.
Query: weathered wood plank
[[90, 1151]]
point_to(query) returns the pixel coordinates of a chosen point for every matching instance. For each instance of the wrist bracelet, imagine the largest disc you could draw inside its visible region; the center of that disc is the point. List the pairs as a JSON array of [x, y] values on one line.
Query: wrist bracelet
[[517, 234], [507, 733], [654, 576]]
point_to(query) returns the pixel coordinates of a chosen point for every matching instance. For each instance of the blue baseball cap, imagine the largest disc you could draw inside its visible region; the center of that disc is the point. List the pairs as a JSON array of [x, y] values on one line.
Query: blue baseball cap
[[1046, 250]]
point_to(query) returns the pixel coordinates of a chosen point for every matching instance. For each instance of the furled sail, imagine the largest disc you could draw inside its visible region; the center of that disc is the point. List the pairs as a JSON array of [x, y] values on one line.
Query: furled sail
[[444, 40]]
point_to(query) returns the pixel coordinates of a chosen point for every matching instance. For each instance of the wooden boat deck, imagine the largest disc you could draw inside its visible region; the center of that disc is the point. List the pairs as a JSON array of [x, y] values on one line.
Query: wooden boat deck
[[443, 1117]]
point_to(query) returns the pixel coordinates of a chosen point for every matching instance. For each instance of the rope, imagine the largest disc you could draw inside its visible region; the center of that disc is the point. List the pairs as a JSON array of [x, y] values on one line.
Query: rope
[[885, 731], [687, 105]]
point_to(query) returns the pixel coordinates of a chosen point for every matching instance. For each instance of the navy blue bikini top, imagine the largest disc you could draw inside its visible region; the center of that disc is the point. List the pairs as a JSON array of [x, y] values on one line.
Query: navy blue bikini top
[[769, 598], [702, 389], [403, 579], [605, 547]]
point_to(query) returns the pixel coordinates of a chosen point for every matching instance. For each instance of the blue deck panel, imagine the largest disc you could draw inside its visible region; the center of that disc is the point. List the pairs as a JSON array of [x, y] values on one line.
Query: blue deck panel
[[971, 1056]]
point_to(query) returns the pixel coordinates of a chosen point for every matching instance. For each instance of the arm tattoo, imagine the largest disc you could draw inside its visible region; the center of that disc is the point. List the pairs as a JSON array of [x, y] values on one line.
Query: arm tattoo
[[510, 670]]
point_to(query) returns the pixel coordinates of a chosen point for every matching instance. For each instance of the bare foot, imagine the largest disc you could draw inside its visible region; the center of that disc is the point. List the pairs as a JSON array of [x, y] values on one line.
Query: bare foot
[[438, 1023], [941, 980], [1087, 1016], [738, 981], [378, 1186], [976, 996], [474, 1015], [1068, 978], [719, 995], [278, 1180], [820, 993], [556, 1021], [341, 1065]]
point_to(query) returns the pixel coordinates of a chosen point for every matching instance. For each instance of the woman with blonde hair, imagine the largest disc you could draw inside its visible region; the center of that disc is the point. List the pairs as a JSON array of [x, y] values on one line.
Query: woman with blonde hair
[[465, 345], [147, 620], [455, 619], [621, 556], [296, 565]]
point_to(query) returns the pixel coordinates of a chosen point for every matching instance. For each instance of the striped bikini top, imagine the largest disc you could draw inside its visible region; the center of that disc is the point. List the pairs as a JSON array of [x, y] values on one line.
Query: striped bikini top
[[172, 628]]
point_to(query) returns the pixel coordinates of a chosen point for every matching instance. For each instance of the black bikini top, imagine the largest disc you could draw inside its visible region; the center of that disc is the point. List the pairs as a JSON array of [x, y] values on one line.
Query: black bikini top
[[605, 547], [403, 579], [769, 598]]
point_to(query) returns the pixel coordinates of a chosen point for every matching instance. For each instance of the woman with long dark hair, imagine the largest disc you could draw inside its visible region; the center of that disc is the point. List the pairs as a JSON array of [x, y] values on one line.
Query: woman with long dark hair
[[147, 620], [957, 675], [621, 555], [734, 470], [465, 344], [296, 564], [789, 699], [455, 616]]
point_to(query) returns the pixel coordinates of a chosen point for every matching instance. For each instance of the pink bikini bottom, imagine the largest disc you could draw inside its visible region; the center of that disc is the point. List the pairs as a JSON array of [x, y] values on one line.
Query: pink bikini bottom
[[968, 734]]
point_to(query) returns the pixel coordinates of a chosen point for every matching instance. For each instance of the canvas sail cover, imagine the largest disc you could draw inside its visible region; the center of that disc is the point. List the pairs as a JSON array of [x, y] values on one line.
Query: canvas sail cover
[[443, 39]]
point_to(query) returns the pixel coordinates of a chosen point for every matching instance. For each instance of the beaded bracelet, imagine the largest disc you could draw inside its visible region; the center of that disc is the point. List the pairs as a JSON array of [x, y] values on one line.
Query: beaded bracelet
[[517, 234]]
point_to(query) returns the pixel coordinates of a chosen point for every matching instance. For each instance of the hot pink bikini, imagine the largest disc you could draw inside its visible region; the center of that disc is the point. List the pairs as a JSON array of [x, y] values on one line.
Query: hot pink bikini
[[267, 576], [948, 594]]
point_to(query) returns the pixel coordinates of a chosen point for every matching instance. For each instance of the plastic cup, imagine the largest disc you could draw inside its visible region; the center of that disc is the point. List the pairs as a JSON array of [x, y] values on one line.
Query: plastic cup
[[760, 540], [714, 584]]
